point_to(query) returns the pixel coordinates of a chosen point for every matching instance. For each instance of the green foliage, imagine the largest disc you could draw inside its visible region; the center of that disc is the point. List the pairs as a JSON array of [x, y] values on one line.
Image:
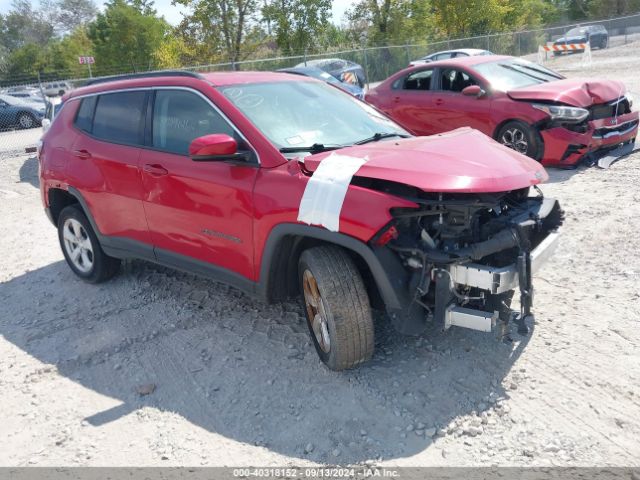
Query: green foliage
[[297, 24], [125, 39], [223, 24]]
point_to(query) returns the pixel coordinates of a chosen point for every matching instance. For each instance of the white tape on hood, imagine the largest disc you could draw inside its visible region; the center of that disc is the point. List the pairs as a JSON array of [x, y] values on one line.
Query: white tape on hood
[[325, 191]]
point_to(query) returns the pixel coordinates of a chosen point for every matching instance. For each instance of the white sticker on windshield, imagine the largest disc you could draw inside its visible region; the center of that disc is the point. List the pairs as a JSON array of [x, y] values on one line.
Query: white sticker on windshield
[[325, 191]]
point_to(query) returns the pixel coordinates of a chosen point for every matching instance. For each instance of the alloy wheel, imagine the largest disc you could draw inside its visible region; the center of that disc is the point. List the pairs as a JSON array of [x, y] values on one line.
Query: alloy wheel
[[516, 139], [78, 245], [316, 311]]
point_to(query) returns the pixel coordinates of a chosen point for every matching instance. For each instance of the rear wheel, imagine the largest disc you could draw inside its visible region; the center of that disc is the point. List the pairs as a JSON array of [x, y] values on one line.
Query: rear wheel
[[81, 248], [604, 42], [520, 137], [336, 306]]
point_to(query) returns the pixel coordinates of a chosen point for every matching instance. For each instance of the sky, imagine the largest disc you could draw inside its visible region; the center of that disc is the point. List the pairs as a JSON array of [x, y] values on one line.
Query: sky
[[172, 13]]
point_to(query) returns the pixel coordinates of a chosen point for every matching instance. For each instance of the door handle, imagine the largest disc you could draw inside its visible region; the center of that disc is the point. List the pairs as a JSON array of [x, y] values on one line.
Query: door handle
[[396, 99], [439, 101], [83, 154], [155, 170]]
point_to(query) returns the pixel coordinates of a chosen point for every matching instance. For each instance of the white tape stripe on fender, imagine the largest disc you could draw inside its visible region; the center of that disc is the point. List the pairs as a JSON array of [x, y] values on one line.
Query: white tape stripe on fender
[[325, 191]]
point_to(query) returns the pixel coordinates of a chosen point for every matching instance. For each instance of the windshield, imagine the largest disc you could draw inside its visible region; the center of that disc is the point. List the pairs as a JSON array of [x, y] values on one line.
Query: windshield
[[303, 114], [506, 75], [576, 32]]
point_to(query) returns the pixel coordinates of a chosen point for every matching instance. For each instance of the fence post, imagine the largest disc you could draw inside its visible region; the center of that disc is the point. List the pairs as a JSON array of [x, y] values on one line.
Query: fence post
[[519, 47], [305, 56], [40, 85], [366, 69]]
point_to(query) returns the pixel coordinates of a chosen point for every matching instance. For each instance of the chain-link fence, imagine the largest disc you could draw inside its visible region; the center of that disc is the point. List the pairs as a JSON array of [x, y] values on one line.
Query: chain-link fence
[[23, 107]]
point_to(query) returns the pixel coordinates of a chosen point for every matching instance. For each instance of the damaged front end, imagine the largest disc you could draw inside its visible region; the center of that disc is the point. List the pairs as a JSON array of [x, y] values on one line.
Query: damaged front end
[[457, 258]]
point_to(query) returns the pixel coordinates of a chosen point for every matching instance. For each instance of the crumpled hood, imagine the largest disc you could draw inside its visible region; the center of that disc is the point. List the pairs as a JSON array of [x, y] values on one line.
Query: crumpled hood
[[463, 160], [575, 92]]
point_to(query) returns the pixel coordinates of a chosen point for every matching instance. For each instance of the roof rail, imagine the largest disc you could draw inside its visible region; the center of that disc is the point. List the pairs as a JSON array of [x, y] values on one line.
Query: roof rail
[[133, 76]]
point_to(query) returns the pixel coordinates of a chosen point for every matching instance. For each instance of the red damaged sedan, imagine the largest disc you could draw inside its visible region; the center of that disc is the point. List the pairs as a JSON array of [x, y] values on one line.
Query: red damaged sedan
[[523, 105]]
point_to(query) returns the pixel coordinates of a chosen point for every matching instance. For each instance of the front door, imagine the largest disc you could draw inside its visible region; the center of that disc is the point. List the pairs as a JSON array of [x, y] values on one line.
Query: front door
[[411, 100], [198, 212], [451, 109]]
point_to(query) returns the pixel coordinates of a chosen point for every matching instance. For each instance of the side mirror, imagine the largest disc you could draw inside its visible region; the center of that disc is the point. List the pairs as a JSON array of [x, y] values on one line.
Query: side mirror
[[473, 91], [217, 147]]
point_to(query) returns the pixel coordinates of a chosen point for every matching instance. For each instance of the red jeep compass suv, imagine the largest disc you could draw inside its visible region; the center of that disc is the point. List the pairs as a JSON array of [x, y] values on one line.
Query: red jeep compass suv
[[282, 185]]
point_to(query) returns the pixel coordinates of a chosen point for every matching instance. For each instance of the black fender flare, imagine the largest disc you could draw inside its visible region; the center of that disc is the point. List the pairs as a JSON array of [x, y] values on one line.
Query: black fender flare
[[279, 232]]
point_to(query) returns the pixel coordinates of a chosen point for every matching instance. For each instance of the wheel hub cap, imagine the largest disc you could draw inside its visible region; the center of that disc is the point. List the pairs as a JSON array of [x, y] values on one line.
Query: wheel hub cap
[[316, 312], [516, 139], [77, 245]]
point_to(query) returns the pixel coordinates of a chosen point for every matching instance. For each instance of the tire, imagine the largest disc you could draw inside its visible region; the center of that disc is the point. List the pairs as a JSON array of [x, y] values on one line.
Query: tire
[[329, 278], [604, 42], [520, 137], [81, 247], [26, 121]]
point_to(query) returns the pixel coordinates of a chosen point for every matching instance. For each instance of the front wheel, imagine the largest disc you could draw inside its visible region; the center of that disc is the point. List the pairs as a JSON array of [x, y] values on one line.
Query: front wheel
[[520, 137], [336, 306], [81, 248], [26, 121]]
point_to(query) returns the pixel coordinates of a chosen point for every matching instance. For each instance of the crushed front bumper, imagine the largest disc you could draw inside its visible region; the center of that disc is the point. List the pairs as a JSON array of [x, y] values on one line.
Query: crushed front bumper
[[566, 148], [499, 280]]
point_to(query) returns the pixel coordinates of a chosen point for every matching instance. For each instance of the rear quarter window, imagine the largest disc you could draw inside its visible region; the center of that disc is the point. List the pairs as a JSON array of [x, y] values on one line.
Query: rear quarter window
[[119, 117], [84, 117]]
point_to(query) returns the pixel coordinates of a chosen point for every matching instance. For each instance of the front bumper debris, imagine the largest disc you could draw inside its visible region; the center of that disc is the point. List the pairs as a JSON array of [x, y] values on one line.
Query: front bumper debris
[[499, 280], [566, 148]]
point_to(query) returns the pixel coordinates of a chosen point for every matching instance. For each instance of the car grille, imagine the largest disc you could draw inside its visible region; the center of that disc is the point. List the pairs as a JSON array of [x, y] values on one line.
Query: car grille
[[620, 129], [607, 110]]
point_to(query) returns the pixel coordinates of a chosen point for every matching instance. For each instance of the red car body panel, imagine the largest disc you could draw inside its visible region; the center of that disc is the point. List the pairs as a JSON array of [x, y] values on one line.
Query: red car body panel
[[435, 111], [575, 92], [443, 163], [222, 213]]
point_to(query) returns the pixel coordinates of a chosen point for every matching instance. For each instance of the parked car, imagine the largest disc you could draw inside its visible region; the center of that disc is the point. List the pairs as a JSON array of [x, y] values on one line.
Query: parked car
[[16, 113], [54, 89], [53, 106], [284, 186], [523, 105], [28, 95], [596, 35], [318, 74], [447, 54], [343, 70]]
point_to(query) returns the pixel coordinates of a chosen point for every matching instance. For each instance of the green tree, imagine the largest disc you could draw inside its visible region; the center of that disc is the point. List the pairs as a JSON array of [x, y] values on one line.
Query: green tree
[[298, 24], [71, 14], [224, 23], [24, 25], [125, 39]]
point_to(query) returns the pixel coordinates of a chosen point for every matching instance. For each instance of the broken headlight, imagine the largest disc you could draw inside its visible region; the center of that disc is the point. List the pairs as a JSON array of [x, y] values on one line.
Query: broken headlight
[[562, 113]]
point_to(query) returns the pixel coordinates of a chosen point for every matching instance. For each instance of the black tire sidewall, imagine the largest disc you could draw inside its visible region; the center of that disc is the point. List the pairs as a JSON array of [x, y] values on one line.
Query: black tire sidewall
[[534, 143], [326, 357]]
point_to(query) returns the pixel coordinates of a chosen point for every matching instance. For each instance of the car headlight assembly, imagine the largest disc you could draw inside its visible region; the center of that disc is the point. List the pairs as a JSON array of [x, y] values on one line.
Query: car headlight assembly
[[629, 99], [562, 113]]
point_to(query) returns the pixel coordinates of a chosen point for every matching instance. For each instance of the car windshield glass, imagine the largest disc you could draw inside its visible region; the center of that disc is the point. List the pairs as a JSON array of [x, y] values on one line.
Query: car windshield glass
[[505, 75], [575, 32], [295, 115]]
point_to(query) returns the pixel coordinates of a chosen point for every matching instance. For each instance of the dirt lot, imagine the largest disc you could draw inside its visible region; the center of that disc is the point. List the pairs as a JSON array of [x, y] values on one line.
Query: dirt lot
[[237, 382]]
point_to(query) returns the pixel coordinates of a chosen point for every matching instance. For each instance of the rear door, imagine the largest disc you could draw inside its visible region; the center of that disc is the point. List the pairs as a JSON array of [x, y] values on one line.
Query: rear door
[[200, 213], [451, 109], [411, 102], [104, 162]]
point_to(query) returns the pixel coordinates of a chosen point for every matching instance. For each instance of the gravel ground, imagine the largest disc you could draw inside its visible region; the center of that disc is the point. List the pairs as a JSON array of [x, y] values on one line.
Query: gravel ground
[[163, 368]]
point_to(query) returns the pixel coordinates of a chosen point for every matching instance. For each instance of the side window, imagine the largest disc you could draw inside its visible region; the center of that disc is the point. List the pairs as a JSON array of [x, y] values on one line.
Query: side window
[[455, 80], [179, 117], [84, 117], [119, 117], [420, 80]]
